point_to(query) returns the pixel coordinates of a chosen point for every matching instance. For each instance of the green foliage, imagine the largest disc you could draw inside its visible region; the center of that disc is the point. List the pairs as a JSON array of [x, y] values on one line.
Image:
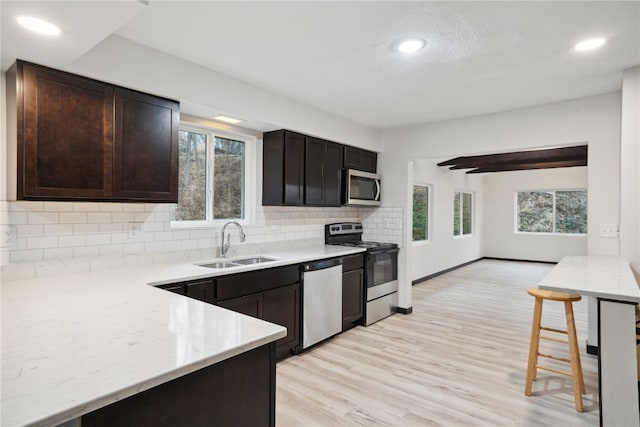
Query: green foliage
[[420, 212], [535, 211], [227, 175]]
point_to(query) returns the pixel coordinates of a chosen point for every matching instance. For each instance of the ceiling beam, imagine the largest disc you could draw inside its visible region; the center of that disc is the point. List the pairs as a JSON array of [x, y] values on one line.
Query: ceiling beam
[[547, 158], [529, 166], [531, 156]]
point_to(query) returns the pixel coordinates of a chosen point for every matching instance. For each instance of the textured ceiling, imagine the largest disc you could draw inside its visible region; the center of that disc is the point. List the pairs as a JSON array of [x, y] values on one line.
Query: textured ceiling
[[481, 57]]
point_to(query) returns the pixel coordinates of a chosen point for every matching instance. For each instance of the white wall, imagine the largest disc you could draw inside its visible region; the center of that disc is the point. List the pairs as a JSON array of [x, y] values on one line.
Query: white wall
[[594, 120], [132, 65], [500, 240], [443, 250], [630, 169]]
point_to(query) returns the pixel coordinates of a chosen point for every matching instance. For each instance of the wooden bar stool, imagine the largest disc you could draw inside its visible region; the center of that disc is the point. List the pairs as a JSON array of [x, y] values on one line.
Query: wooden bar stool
[[574, 352]]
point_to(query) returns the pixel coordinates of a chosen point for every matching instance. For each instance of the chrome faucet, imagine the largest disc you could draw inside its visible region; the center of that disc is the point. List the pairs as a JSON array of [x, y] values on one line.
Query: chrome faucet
[[224, 247]]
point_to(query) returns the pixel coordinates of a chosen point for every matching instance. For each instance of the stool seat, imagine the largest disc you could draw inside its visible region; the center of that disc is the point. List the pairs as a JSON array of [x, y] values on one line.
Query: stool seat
[[553, 296], [574, 352]]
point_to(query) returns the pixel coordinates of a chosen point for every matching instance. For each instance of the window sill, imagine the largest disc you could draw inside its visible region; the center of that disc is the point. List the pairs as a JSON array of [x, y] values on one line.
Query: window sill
[[464, 236], [533, 233], [415, 243], [182, 225]]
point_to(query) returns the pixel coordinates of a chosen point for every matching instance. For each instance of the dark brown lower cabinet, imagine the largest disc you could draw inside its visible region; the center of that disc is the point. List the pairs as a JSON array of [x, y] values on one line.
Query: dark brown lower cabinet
[[239, 391], [352, 298], [251, 305], [280, 306]]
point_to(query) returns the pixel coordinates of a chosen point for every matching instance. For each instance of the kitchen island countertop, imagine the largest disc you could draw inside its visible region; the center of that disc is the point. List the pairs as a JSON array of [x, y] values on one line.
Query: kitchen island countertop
[[75, 343]]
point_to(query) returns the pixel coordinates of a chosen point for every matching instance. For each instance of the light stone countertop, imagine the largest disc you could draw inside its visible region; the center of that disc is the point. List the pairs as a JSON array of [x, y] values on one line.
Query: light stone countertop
[[594, 275], [75, 343]]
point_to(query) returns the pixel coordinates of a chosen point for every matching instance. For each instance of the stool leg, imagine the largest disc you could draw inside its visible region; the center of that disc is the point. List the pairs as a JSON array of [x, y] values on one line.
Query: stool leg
[[574, 351], [533, 346]]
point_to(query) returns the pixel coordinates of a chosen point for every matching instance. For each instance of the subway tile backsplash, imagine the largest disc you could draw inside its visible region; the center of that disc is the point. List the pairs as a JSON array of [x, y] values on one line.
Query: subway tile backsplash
[[65, 237]]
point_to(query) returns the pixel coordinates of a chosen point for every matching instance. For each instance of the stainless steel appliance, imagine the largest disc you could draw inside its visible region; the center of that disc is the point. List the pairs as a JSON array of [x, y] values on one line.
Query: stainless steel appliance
[[321, 301], [381, 277], [361, 188]]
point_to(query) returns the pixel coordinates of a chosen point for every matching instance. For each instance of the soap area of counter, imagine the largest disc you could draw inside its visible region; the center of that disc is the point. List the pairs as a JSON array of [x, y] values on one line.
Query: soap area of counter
[[77, 342]]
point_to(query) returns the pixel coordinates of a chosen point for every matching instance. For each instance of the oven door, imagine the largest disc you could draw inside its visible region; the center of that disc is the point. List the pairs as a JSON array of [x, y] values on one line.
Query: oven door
[[382, 273], [361, 188]]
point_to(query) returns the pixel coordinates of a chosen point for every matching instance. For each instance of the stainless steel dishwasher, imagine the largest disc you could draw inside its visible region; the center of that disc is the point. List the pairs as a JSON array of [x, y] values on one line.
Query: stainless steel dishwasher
[[321, 300]]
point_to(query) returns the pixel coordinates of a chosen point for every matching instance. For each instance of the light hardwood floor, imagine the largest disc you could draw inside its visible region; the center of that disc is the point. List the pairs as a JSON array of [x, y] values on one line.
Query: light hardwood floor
[[459, 360]]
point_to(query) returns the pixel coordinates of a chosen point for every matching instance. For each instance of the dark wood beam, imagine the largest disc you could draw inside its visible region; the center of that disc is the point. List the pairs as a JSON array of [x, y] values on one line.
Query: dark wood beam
[[529, 166], [531, 156]]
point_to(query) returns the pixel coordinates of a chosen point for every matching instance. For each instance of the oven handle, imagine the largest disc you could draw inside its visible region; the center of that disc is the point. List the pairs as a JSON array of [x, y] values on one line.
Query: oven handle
[[382, 251], [377, 196]]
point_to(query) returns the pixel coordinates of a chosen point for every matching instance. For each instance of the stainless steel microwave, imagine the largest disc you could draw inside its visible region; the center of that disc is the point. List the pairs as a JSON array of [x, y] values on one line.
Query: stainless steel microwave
[[361, 188]]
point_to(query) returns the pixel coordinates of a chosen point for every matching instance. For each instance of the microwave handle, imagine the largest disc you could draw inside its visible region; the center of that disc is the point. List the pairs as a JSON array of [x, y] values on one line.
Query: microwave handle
[[377, 196]]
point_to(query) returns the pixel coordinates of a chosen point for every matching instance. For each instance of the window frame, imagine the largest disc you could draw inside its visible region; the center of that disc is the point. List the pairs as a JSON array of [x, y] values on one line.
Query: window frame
[[461, 235], [250, 154], [428, 215], [553, 213]]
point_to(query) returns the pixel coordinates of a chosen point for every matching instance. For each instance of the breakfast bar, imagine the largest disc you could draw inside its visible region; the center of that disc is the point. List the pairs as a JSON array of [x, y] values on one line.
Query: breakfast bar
[[610, 280]]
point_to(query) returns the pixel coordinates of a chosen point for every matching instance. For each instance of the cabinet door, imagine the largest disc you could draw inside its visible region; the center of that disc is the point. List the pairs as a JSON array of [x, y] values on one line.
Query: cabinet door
[[352, 298], [65, 134], [273, 168], [323, 166], [356, 158], [332, 174], [145, 164], [314, 172], [176, 288], [282, 307], [293, 169], [251, 305], [202, 290]]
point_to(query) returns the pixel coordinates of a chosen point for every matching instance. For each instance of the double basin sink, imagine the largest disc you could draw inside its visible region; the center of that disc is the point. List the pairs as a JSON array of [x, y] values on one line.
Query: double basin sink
[[238, 262]]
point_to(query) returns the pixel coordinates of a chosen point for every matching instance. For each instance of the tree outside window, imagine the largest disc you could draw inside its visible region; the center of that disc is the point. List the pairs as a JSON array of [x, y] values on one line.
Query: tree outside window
[[555, 211], [420, 212], [462, 213], [211, 180]]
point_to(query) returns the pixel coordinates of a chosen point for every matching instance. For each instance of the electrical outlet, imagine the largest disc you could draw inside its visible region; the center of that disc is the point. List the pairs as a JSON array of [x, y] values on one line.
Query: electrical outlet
[[7, 236], [134, 230], [609, 230]]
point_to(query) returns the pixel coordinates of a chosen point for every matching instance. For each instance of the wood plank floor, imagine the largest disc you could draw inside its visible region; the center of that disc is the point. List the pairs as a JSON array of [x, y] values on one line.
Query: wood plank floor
[[459, 360]]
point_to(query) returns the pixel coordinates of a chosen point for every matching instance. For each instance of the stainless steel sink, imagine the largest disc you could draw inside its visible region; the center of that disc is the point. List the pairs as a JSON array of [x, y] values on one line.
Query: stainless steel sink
[[253, 260], [224, 264]]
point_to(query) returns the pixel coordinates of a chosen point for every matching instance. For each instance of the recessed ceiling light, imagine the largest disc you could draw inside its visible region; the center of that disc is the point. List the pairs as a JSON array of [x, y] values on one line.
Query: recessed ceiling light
[[410, 45], [590, 44], [228, 119], [38, 25]]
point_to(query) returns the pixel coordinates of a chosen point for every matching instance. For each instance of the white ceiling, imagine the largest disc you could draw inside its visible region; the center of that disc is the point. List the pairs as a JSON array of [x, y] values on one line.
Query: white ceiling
[[482, 57]]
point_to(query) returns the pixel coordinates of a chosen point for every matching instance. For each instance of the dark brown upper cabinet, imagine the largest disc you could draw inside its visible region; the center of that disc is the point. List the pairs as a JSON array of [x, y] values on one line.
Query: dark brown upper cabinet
[[357, 158], [81, 139], [300, 170], [283, 168], [145, 150], [323, 166]]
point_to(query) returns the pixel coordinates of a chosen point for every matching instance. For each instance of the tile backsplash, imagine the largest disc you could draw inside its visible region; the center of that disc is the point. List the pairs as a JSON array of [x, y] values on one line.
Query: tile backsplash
[[83, 236]]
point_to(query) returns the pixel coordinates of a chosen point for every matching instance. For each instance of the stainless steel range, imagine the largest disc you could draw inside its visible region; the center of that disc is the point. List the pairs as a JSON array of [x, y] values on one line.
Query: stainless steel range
[[381, 277]]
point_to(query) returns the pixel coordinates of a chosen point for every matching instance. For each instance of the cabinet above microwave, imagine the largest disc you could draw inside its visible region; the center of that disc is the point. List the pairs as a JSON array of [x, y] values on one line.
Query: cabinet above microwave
[[301, 170]]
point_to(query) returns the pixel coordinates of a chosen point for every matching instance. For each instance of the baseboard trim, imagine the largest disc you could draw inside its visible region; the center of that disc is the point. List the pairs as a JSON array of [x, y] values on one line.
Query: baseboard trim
[[431, 276], [403, 310], [519, 260], [592, 349]]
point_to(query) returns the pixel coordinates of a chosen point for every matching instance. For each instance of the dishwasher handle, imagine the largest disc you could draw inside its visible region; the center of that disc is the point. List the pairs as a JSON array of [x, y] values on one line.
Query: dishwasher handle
[[321, 265]]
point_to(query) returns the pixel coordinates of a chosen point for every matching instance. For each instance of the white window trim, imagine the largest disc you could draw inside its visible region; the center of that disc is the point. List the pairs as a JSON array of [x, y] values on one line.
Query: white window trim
[[249, 178], [473, 214], [429, 213], [553, 214]]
